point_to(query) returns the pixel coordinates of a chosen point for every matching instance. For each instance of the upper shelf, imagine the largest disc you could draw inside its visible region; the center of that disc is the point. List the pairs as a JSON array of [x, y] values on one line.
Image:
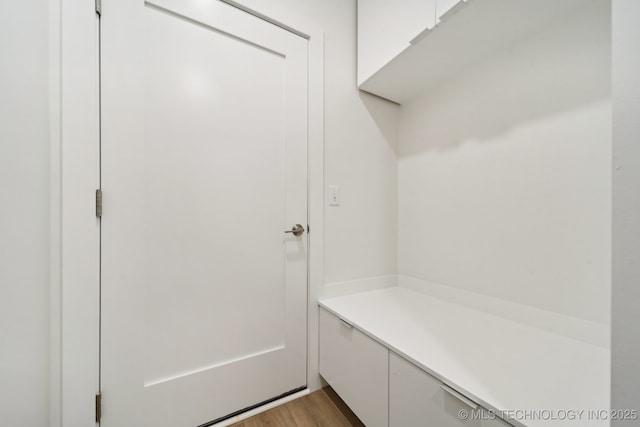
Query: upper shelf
[[468, 32]]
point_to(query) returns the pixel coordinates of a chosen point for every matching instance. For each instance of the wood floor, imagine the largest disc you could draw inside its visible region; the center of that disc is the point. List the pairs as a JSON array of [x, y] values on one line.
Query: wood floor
[[322, 408]]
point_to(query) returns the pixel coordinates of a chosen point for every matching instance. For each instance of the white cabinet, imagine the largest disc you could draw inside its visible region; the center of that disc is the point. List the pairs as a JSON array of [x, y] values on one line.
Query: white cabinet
[[386, 28], [383, 389], [402, 53], [424, 334], [416, 399], [357, 368]]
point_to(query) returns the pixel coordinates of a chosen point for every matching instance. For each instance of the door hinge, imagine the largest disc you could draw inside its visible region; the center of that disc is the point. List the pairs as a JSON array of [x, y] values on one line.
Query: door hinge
[[99, 7], [99, 203], [98, 407]]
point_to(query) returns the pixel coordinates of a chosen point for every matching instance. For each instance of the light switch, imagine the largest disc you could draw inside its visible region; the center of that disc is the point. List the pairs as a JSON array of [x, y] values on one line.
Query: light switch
[[334, 195]]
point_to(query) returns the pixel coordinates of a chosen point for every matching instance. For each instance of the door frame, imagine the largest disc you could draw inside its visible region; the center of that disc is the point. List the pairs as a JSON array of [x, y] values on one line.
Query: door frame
[[75, 173]]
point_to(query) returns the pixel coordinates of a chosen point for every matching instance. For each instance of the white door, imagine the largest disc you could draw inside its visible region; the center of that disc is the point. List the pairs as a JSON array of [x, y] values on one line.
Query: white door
[[203, 168]]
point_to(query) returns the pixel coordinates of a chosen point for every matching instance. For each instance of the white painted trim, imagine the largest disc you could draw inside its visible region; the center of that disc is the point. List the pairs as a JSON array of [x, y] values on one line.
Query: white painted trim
[[316, 199], [55, 218], [625, 344], [79, 291], [262, 408], [274, 12], [338, 289]]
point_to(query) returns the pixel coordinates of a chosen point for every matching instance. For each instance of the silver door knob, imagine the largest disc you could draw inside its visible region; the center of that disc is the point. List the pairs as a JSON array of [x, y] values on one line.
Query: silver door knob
[[297, 230]]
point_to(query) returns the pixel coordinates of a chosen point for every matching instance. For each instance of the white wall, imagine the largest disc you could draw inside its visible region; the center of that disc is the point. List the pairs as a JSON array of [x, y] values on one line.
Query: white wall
[[24, 215], [626, 208], [360, 154], [504, 173]]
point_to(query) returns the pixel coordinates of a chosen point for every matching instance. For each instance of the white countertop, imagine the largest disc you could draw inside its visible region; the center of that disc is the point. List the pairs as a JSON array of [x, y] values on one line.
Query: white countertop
[[502, 364]]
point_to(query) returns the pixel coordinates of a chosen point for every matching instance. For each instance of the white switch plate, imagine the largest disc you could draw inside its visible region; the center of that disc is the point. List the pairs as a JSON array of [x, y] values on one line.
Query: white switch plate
[[334, 195]]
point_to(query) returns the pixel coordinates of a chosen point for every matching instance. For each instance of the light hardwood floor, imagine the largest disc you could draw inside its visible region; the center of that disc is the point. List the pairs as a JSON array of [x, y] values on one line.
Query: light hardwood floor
[[322, 408]]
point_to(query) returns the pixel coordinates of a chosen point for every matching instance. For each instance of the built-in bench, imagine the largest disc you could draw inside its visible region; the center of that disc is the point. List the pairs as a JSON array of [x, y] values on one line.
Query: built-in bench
[[399, 357]]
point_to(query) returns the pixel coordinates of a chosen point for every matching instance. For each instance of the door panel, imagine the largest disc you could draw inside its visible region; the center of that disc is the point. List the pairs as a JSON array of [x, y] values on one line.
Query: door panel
[[204, 200], [203, 169]]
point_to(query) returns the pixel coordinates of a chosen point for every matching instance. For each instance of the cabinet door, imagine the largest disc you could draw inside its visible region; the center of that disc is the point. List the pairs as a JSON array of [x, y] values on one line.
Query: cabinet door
[[357, 368], [416, 399], [386, 28], [443, 6]]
